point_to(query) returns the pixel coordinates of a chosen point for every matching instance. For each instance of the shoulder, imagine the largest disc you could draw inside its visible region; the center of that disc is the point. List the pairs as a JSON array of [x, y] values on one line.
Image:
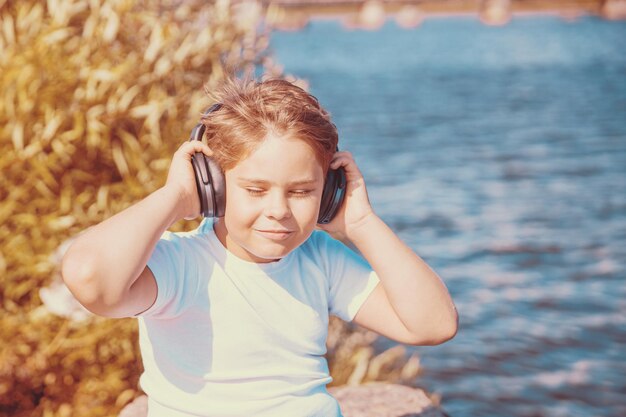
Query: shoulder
[[185, 243], [196, 235]]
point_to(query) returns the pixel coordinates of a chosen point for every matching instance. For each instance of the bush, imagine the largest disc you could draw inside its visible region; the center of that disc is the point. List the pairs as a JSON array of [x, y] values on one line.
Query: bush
[[97, 95]]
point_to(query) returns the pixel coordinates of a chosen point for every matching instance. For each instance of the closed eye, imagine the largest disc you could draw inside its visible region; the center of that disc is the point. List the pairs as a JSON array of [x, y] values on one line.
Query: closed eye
[[255, 191], [258, 192], [301, 193]]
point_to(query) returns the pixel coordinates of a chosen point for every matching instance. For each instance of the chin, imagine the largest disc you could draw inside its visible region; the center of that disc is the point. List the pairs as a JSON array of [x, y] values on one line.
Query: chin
[[270, 255]]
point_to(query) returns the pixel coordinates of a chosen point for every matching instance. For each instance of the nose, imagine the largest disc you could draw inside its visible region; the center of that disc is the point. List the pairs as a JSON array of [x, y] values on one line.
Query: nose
[[277, 206]]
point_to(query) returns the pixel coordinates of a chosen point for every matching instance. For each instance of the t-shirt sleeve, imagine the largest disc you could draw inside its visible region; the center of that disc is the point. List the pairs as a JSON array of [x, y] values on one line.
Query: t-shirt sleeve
[[351, 279], [176, 274]]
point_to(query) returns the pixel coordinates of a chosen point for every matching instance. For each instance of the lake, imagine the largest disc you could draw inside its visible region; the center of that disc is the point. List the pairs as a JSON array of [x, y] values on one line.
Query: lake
[[499, 155]]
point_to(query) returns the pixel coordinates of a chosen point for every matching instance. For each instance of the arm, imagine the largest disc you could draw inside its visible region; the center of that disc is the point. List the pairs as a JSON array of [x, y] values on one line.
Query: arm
[[105, 267], [412, 289], [411, 304]]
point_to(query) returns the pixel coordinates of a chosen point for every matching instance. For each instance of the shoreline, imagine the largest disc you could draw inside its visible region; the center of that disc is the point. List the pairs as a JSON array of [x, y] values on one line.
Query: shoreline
[[476, 14], [290, 15], [445, 8]]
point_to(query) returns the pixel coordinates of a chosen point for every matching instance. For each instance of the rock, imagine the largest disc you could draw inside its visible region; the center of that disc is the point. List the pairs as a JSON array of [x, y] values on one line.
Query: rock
[[369, 400], [384, 400], [614, 9], [137, 408], [371, 16], [495, 12], [409, 16]]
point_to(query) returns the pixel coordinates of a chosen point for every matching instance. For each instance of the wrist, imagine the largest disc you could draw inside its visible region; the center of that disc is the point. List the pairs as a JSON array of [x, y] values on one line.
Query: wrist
[[172, 198], [355, 231]]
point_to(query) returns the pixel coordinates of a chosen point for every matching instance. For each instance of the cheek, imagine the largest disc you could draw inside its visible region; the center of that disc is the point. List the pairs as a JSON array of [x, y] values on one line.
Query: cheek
[[239, 208], [306, 210]]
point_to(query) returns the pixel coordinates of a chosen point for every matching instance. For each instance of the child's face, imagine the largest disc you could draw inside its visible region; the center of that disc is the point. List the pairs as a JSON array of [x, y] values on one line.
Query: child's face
[[272, 200]]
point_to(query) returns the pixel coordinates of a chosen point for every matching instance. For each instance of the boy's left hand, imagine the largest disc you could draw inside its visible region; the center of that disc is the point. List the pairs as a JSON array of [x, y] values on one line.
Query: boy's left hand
[[356, 208]]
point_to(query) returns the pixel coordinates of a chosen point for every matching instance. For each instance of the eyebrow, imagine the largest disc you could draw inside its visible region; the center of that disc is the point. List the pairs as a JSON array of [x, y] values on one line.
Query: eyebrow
[[264, 182]]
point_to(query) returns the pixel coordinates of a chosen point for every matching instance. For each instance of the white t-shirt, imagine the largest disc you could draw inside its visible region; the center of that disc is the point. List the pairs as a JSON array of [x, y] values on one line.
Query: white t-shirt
[[228, 337]]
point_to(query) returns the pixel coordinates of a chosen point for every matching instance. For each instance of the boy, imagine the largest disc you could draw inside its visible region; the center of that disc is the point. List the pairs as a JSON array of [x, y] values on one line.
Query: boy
[[233, 316]]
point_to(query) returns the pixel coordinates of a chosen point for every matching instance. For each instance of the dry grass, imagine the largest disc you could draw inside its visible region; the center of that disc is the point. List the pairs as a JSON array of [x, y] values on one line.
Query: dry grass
[[352, 359], [97, 95]]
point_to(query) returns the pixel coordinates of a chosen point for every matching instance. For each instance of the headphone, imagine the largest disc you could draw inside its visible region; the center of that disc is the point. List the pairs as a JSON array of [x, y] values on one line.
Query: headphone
[[212, 186]]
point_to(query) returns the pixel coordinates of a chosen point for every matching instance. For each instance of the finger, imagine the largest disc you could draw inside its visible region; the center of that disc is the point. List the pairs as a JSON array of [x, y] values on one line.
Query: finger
[[192, 147], [353, 173], [341, 159], [345, 160]]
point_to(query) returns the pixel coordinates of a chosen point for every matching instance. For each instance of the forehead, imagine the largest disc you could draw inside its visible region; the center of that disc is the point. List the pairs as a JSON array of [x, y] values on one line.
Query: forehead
[[280, 159]]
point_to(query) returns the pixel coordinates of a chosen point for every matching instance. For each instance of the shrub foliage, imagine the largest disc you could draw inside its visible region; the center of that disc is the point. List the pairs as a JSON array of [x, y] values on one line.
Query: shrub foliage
[[97, 95]]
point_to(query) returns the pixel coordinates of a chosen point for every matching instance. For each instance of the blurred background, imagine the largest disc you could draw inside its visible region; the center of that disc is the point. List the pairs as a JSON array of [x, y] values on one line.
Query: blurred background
[[492, 136]]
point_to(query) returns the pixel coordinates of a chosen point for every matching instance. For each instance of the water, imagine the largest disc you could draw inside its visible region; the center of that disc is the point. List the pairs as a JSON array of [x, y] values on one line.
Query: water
[[499, 155]]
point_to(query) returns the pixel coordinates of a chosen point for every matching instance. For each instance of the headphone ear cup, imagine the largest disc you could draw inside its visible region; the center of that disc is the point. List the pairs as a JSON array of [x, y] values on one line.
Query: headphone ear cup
[[219, 187], [333, 195], [210, 185], [210, 181]]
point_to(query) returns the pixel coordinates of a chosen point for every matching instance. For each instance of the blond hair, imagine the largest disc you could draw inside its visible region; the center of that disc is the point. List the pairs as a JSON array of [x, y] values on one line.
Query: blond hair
[[251, 110]]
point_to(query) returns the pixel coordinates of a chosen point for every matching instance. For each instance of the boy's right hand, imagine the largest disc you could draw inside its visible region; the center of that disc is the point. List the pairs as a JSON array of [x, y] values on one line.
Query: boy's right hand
[[181, 180]]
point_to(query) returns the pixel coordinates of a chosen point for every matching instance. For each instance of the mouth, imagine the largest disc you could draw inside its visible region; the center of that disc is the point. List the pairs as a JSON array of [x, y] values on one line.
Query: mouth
[[275, 234]]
